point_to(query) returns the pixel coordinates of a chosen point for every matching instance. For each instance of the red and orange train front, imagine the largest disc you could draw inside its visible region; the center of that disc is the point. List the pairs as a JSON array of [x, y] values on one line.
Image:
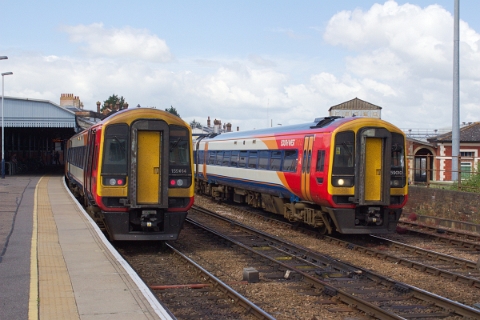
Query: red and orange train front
[[336, 174], [137, 174]]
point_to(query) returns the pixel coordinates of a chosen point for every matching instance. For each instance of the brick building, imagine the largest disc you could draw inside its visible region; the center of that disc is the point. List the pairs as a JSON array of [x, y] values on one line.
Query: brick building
[[469, 152]]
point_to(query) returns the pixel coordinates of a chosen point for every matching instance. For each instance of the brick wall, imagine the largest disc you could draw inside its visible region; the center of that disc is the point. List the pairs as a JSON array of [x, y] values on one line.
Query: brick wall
[[454, 205]]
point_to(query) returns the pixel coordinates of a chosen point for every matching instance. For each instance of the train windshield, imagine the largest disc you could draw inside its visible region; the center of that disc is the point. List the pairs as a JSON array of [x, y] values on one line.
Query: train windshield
[[397, 171], [344, 153], [179, 147], [115, 149]]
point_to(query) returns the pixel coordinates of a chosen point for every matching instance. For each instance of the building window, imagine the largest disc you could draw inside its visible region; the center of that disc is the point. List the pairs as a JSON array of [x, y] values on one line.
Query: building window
[[466, 170], [467, 154]]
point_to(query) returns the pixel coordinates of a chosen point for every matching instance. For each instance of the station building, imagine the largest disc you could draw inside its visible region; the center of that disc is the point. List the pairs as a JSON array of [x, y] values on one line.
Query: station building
[[356, 108], [34, 130]]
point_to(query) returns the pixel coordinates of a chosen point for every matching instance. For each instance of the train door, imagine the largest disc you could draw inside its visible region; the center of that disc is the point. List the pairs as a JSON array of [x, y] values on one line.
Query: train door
[[306, 164], [373, 176], [373, 169], [149, 164], [90, 160]]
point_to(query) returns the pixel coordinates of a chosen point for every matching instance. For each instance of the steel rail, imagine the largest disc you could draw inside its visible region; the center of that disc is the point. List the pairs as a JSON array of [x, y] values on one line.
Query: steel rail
[[460, 238], [227, 290], [440, 225], [370, 309], [349, 299], [475, 282]]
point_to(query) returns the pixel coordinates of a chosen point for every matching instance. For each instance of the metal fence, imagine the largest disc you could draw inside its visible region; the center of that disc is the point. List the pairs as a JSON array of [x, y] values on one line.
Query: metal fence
[[436, 171]]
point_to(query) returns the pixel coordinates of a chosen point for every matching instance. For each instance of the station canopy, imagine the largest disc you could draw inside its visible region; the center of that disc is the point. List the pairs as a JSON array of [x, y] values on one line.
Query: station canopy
[[32, 113]]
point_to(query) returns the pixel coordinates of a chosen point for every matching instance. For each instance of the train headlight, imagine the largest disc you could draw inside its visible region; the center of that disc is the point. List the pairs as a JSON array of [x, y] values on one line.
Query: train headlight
[[179, 182], [342, 181], [395, 183], [114, 181]]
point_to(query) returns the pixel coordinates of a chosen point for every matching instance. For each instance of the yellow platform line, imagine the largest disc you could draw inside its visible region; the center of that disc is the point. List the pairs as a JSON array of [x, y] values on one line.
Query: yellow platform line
[[56, 299], [33, 297]]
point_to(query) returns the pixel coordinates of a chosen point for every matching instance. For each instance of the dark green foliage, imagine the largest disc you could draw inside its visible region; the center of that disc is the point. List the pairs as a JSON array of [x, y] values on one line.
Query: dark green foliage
[[472, 184], [112, 101], [172, 110]]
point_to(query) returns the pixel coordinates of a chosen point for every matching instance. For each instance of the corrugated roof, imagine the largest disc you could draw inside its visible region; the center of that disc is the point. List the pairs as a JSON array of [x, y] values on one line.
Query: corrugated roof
[[470, 133], [36, 113], [355, 104]]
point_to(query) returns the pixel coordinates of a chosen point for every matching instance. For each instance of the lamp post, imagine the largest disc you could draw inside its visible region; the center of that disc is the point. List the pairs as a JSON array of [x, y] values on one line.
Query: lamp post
[[3, 125]]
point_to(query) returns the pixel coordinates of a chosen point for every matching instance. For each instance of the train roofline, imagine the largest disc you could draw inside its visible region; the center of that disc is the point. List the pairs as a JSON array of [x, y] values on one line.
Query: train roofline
[[319, 123]]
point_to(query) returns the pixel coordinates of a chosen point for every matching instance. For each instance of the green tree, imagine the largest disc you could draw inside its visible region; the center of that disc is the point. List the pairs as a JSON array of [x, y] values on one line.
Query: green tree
[[172, 110], [112, 100], [195, 125]]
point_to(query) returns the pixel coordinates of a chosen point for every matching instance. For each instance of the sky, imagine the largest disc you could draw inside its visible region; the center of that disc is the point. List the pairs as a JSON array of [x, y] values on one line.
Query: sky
[[253, 64]]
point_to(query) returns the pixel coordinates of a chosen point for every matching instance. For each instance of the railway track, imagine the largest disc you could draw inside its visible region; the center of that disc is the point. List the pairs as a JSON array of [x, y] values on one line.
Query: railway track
[[444, 263], [184, 287], [446, 266], [446, 236], [461, 229], [368, 292]]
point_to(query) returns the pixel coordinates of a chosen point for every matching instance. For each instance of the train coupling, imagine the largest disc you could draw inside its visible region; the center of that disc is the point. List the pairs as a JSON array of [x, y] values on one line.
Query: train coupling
[[149, 219], [374, 216]]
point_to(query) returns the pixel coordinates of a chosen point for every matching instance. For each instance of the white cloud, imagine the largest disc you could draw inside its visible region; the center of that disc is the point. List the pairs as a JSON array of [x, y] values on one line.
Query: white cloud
[[125, 42], [399, 58], [403, 55], [258, 60]]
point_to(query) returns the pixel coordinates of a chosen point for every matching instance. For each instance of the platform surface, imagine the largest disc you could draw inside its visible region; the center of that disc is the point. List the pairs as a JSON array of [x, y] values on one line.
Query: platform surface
[[56, 264]]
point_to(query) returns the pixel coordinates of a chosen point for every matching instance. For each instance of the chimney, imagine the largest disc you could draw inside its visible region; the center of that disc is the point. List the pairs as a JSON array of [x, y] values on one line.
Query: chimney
[[217, 126], [98, 106]]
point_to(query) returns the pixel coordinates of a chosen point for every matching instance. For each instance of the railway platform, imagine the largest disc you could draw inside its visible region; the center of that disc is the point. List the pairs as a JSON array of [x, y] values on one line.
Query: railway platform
[[55, 263]]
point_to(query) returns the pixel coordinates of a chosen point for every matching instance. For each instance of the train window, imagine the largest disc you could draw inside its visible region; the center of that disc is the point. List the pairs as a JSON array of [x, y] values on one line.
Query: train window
[[226, 158], [212, 155], [276, 160], [179, 146], [252, 159], [397, 172], [320, 160], [95, 156], [234, 159], [290, 161], [307, 159], [219, 158], [263, 158], [242, 161], [200, 155], [115, 149], [344, 153], [75, 156], [82, 157]]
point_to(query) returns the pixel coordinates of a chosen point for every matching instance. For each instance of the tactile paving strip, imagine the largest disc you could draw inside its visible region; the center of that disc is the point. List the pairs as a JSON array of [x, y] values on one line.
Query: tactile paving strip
[[56, 296]]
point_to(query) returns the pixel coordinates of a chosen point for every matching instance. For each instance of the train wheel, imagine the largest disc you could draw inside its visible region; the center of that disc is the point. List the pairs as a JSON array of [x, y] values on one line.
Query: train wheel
[[322, 229]]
